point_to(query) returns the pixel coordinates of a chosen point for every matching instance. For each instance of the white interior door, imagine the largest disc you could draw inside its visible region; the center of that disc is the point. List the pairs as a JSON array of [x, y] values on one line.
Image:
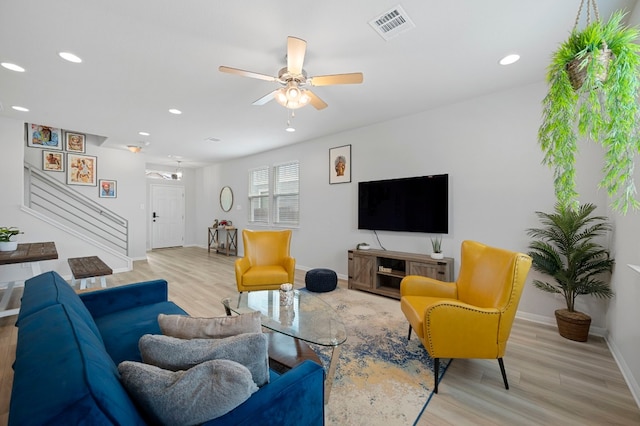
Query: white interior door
[[167, 216]]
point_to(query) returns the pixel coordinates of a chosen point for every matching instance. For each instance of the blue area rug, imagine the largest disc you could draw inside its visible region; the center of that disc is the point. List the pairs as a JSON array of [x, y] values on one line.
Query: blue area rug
[[381, 379]]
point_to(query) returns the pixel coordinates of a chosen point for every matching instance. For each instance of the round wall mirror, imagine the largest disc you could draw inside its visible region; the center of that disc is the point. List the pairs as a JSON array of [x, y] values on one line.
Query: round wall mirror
[[226, 198]]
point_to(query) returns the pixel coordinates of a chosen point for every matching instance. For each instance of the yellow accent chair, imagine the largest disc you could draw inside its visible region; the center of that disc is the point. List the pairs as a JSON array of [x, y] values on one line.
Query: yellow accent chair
[[267, 262], [470, 318]]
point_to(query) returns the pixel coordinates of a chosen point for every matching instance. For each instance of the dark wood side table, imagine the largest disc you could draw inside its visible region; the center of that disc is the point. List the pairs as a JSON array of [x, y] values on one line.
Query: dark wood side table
[[31, 253]]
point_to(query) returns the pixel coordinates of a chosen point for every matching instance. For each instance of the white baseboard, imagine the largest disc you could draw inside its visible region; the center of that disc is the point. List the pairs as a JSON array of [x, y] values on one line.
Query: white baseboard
[[634, 387], [541, 319]]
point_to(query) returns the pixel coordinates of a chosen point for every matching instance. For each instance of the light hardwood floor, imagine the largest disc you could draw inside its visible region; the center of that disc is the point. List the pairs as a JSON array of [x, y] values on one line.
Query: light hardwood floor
[[553, 381]]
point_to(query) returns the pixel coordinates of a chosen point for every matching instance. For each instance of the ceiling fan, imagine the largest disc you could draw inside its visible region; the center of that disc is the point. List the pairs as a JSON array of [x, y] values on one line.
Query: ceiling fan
[[294, 79]]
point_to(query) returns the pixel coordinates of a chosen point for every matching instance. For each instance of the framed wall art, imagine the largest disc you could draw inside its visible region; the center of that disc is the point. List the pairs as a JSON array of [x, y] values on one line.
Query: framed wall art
[[74, 142], [81, 169], [52, 161], [340, 164], [108, 188], [39, 136]]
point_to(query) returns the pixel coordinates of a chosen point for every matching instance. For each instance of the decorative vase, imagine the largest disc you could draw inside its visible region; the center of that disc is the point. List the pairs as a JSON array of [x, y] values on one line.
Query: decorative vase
[[437, 255], [286, 295], [8, 245], [573, 325]]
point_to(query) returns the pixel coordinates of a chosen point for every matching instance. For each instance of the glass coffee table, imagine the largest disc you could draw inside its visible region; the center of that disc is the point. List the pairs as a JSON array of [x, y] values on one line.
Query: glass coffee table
[[308, 318]]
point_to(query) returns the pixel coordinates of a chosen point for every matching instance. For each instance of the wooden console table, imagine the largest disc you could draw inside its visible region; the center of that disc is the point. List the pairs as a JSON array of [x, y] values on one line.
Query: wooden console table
[[31, 253], [231, 245], [381, 271]]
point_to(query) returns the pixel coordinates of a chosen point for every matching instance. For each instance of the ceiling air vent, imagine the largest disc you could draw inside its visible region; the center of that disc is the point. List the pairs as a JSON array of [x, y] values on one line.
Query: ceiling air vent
[[392, 23]]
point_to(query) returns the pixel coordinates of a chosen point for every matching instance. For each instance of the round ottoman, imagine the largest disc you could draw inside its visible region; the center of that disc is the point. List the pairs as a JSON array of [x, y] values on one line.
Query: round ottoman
[[321, 280]]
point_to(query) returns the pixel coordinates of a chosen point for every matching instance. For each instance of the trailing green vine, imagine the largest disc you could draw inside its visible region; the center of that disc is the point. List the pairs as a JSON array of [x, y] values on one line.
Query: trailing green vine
[[606, 112]]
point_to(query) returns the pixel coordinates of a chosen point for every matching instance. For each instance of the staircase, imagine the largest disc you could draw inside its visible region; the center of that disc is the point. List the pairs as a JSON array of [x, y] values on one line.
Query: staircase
[[74, 211]]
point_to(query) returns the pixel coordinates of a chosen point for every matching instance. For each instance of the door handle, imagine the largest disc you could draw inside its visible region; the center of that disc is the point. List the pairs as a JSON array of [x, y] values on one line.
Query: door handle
[[155, 215]]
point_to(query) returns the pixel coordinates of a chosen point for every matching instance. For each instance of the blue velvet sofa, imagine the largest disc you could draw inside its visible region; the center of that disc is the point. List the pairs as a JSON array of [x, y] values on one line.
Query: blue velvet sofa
[[69, 346]]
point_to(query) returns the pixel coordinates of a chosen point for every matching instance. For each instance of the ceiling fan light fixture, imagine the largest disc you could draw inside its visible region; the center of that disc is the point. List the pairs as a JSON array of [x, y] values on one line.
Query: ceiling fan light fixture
[[133, 148], [292, 96]]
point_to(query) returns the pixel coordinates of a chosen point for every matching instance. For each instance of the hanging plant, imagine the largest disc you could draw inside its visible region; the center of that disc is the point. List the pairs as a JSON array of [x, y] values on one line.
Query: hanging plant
[[600, 103]]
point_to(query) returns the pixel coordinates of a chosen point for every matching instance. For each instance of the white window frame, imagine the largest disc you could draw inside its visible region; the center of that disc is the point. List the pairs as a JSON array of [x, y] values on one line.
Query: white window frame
[[256, 196], [276, 194], [284, 191]]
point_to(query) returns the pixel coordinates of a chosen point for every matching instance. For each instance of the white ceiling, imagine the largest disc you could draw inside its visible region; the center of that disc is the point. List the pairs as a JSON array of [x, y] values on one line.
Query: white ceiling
[[142, 57]]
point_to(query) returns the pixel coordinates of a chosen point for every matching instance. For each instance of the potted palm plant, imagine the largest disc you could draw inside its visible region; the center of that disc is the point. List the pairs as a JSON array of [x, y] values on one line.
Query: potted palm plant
[[564, 249], [594, 83], [6, 234]]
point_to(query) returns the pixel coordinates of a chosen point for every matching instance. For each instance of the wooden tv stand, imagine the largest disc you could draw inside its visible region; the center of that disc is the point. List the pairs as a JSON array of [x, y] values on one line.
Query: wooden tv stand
[[380, 271]]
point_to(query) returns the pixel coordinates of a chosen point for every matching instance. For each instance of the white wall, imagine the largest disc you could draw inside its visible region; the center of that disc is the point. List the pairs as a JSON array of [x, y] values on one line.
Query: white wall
[[488, 146], [126, 168], [119, 165]]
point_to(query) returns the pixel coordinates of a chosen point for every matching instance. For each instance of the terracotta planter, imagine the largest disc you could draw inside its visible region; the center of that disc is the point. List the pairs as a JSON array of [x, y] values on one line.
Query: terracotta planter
[[573, 325]]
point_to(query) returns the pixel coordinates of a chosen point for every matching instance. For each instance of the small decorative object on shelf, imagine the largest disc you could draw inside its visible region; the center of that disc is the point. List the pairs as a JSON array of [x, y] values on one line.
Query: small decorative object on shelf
[[286, 295], [6, 234], [215, 224], [436, 245], [363, 246]]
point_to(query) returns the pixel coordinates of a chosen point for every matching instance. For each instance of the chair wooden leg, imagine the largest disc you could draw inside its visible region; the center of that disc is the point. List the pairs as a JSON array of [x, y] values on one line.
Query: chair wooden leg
[[239, 297], [504, 373], [436, 369], [409, 335]]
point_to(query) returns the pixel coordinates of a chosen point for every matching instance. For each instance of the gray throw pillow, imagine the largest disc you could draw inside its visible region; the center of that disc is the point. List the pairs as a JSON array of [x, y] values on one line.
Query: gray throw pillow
[[186, 327], [170, 353], [190, 397]]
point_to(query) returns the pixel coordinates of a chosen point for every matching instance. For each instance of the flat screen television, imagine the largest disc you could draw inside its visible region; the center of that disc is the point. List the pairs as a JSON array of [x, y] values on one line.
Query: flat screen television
[[414, 204]]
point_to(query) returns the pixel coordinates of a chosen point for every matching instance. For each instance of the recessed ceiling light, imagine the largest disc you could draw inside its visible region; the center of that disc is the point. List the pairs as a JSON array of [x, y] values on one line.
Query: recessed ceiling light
[[19, 108], [67, 56], [509, 59], [290, 129], [144, 133], [175, 111], [12, 67]]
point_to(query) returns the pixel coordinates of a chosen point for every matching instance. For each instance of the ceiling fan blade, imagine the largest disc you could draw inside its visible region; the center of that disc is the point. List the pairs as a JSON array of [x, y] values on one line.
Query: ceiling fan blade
[[328, 80], [266, 98], [244, 73], [316, 101], [296, 48]]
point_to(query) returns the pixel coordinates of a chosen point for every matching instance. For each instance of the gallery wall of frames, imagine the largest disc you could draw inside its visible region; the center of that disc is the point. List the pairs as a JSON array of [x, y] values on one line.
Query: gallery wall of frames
[[65, 151]]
